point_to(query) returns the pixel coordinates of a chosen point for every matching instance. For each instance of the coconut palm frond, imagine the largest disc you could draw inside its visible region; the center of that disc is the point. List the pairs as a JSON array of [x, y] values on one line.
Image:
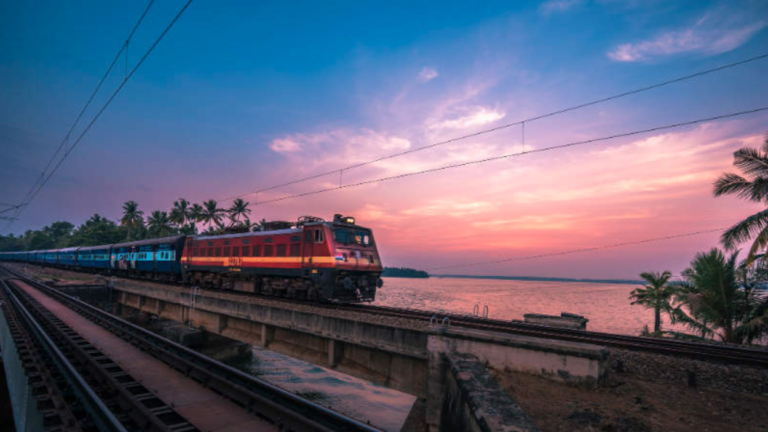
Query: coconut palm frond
[[745, 230], [734, 184], [753, 162]]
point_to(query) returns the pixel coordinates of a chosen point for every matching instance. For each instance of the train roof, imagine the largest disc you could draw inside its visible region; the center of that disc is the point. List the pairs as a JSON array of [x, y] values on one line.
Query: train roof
[[90, 248], [248, 234], [172, 239]]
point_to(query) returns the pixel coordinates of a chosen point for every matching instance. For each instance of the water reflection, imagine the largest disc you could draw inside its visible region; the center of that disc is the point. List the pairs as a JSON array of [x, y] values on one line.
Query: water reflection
[[607, 306]]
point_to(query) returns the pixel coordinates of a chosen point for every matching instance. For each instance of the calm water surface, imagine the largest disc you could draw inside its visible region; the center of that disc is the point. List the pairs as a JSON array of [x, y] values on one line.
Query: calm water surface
[[606, 305]]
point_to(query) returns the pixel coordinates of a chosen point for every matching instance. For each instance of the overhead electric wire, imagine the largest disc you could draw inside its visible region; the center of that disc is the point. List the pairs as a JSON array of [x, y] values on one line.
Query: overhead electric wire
[[580, 250], [96, 89], [12, 208], [106, 104], [88, 102], [510, 155], [508, 125]]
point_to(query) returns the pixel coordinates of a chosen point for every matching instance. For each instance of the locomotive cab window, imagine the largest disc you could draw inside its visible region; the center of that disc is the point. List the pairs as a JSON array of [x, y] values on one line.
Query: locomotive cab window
[[319, 236], [348, 236]]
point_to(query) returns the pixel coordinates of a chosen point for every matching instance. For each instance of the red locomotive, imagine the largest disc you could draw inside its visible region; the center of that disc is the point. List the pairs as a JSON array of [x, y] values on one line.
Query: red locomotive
[[312, 259]]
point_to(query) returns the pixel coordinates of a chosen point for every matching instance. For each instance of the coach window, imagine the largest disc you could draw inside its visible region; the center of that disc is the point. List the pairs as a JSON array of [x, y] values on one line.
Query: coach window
[[319, 236], [236, 251], [268, 240], [294, 252], [218, 251], [268, 250], [256, 250], [226, 251], [246, 250], [281, 250]]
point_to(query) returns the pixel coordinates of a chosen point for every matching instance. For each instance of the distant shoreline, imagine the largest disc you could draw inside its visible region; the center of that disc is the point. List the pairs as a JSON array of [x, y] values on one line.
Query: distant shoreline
[[541, 279]]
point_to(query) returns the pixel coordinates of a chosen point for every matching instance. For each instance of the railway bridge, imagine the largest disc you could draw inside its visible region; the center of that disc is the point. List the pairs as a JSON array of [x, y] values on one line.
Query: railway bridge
[[442, 360]]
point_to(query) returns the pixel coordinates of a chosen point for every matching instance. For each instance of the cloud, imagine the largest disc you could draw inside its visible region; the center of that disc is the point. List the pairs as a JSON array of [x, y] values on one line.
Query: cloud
[[451, 207], [557, 6], [479, 117], [285, 145], [708, 36], [348, 145], [428, 74]]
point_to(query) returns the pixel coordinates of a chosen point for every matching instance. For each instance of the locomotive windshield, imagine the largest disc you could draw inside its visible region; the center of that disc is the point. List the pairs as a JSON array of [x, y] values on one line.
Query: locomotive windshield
[[351, 236]]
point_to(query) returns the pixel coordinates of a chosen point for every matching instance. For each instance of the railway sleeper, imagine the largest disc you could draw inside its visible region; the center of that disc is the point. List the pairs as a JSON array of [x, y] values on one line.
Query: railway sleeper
[[107, 379]]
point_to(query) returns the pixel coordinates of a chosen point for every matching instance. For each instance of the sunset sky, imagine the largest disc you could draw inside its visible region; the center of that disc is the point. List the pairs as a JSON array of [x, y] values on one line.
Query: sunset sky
[[243, 95]]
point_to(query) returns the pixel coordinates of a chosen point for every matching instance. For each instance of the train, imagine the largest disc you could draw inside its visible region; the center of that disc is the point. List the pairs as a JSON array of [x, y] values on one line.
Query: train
[[312, 259]]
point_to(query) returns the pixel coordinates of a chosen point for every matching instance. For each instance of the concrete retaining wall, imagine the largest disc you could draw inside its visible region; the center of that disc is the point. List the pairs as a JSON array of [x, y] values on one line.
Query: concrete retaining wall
[[475, 402]]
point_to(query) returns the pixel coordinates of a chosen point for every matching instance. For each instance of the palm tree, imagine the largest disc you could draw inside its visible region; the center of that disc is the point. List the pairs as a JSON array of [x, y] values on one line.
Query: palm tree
[[133, 218], [239, 208], [260, 225], [212, 214], [753, 186], [196, 213], [159, 224], [181, 212], [721, 299], [212, 230], [657, 295]]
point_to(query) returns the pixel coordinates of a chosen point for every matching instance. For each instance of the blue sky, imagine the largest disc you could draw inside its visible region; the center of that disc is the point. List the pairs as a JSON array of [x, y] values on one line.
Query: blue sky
[[244, 94]]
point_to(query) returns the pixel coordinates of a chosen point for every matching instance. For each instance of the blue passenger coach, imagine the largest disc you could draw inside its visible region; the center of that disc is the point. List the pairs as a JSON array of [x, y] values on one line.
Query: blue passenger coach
[[94, 258], [160, 257], [68, 257]]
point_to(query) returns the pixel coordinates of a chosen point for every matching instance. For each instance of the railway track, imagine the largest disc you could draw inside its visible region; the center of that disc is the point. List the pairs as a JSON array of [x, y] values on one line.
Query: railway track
[[77, 387], [695, 350], [287, 411]]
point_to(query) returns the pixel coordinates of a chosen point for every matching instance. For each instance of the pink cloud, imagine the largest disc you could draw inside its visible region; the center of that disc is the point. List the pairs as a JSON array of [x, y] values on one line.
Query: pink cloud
[[707, 36]]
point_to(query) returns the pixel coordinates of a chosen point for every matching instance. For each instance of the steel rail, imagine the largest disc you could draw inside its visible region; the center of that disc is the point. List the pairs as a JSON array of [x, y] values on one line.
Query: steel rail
[[698, 350], [138, 406], [100, 414], [47, 384], [267, 401]]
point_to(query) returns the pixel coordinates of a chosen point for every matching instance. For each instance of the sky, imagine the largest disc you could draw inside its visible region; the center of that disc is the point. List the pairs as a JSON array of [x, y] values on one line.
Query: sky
[[243, 95]]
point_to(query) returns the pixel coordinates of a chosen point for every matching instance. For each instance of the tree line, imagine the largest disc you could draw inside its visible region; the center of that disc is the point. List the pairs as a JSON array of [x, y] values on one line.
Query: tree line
[[720, 296], [183, 218]]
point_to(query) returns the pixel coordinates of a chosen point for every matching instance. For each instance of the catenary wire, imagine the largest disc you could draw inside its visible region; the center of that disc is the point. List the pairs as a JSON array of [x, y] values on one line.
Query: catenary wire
[[104, 107], [510, 155], [581, 250], [88, 102], [508, 125]]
